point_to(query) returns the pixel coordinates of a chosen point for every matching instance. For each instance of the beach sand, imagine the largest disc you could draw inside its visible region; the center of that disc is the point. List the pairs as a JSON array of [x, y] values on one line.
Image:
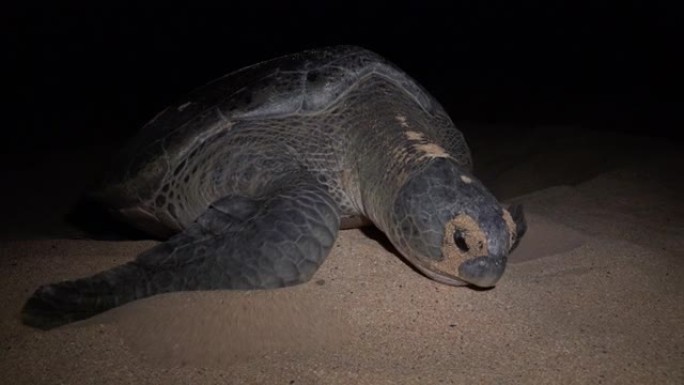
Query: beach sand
[[593, 295]]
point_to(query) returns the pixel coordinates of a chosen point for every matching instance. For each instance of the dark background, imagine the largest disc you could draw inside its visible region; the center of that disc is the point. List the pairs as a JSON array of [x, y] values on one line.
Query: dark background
[[92, 74]]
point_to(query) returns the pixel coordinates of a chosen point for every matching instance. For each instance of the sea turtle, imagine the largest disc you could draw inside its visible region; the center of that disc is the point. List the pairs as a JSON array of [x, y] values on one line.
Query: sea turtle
[[252, 175]]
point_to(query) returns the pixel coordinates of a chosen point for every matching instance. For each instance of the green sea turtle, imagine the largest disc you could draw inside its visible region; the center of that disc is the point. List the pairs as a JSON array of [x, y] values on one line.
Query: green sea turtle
[[252, 175]]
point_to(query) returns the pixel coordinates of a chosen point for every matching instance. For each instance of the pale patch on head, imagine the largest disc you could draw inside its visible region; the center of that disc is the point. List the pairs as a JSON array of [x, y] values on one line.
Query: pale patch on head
[[431, 150], [426, 148], [184, 106], [402, 120], [511, 226], [466, 179], [414, 135], [463, 240]]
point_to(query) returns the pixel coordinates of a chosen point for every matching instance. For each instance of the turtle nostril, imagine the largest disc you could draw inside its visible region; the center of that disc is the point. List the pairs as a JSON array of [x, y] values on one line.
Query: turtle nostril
[[460, 241]]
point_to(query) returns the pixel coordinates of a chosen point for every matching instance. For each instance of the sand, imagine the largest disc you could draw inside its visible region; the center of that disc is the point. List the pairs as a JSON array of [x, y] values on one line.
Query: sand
[[594, 294]]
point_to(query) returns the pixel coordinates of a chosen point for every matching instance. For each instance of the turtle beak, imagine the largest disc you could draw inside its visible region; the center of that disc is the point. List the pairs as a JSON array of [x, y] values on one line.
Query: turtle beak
[[482, 271]]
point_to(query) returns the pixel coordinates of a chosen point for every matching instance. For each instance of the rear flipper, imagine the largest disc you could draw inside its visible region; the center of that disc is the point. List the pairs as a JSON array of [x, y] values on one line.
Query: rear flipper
[[238, 243]]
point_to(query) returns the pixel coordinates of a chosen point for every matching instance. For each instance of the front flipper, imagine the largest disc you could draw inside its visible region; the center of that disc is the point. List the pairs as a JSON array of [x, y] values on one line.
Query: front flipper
[[238, 243]]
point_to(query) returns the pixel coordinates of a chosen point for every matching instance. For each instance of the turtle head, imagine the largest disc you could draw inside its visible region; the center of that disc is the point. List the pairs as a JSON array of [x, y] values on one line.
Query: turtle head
[[446, 223]]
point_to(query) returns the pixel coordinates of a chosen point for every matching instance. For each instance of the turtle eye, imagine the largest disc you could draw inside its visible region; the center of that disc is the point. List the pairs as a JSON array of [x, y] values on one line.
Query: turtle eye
[[460, 242]]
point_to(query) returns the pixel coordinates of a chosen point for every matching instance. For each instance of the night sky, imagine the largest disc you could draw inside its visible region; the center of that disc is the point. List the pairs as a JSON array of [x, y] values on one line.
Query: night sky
[[82, 75]]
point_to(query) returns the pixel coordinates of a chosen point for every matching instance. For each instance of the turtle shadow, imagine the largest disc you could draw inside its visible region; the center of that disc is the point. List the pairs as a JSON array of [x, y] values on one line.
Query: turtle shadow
[[378, 236], [95, 221]]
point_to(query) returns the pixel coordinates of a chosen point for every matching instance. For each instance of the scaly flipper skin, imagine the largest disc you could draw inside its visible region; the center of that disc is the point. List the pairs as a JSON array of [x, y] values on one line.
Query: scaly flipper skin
[[238, 243]]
